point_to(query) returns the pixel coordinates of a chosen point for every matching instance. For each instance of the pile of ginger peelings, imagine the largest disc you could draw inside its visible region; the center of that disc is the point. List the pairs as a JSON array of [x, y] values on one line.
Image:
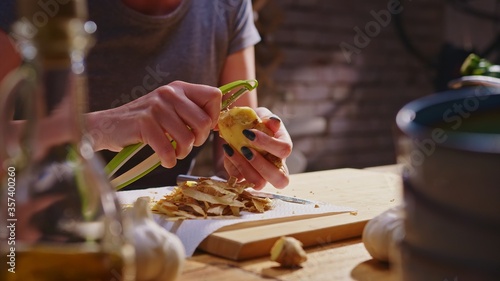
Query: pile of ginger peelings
[[209, 198]]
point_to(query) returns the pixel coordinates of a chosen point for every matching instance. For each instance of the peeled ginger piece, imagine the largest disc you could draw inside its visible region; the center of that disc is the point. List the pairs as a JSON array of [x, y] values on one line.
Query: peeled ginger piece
[[232, 122], [288, 252]]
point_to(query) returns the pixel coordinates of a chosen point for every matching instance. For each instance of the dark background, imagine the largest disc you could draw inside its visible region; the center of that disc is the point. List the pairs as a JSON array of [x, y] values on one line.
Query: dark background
[[341, 111]]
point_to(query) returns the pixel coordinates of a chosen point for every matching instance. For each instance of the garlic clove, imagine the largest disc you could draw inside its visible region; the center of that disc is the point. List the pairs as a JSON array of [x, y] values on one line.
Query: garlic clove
[[382, 234]]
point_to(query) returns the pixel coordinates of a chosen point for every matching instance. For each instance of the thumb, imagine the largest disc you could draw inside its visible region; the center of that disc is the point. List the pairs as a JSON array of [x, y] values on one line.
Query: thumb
[[273, 123]]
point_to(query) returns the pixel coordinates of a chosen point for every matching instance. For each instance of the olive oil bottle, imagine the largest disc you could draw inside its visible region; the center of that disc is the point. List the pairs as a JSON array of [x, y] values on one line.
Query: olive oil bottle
[[59, 217]]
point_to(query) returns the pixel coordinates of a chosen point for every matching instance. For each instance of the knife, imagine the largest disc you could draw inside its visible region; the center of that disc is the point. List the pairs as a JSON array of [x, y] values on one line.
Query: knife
[[184, 178]]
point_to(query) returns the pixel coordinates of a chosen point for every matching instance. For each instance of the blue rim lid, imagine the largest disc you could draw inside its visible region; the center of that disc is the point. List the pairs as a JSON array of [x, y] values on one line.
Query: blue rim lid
[[418, 118]]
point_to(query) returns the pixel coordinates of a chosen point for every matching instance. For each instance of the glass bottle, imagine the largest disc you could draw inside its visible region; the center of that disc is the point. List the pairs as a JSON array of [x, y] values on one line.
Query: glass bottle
[[62, 217]]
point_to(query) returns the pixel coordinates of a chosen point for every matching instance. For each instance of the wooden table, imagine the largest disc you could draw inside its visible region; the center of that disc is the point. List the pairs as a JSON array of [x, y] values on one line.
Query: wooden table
[[342, 260]]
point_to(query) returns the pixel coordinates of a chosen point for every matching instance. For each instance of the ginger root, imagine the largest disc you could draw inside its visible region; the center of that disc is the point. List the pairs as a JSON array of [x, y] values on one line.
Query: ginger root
[[288, 252], [232, 122]]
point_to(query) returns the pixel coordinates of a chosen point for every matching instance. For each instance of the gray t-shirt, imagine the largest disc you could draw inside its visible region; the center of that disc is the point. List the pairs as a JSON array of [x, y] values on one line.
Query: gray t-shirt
[[136, 53]]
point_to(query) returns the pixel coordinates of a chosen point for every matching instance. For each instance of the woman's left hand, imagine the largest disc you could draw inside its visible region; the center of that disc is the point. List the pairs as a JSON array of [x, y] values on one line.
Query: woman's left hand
[[250, 165]]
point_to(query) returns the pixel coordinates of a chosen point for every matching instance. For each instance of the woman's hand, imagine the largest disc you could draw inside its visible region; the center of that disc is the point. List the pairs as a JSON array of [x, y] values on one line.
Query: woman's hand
[[180, 111], [251, 165]]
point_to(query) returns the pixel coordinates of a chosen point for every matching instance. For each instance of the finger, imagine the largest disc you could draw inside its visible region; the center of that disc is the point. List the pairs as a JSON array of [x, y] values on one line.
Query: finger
[[231, 169], [280, 147], [265, 169], [206, 97], [153, 134], [199, 110], [198, 122], [182, 135], [273, 123], [156, 123], [183, 119], [276, 126], [271, 120], [243, 167]]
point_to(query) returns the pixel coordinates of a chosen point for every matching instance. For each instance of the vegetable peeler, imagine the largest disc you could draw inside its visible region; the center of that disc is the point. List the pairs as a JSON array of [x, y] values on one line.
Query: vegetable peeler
[[153, 161]]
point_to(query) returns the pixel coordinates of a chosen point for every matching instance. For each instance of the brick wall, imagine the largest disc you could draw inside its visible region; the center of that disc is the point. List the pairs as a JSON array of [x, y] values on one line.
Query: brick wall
[[305, 75], [358, 94]]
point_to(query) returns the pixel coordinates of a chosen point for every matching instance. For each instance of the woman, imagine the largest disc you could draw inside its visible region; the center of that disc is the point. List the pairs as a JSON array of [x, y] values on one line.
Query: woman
[[143, 50]]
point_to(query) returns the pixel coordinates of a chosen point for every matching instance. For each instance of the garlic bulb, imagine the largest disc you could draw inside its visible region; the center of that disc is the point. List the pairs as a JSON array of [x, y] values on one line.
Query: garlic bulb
[[382, 234], [159, 254]]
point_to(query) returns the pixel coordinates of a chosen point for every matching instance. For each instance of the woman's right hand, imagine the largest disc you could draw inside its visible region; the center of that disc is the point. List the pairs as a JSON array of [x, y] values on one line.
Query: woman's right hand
[[181, 111]]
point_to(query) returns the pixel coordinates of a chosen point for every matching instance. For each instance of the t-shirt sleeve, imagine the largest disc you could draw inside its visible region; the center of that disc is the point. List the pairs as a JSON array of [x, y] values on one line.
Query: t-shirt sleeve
[[244, 32]]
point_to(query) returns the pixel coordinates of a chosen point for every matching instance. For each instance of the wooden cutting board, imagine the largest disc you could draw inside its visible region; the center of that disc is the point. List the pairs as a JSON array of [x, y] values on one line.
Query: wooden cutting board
[[369, 192]]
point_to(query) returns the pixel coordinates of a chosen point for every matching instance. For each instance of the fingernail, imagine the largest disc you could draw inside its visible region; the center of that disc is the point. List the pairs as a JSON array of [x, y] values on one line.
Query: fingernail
[[246, 152], [229, 151], [249, 134], [275, 118]]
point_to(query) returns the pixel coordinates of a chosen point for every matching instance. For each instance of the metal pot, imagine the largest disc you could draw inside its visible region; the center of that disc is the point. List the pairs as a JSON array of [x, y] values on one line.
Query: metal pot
[[450, 147]]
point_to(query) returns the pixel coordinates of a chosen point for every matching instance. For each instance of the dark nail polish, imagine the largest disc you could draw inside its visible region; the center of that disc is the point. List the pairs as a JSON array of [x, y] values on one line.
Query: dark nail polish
[[275, 118], [249, 134], [246, 152], [229, 150]]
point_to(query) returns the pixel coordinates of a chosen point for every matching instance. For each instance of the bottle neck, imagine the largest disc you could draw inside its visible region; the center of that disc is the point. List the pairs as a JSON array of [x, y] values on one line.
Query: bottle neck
[[57, 51], [61, 105]]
